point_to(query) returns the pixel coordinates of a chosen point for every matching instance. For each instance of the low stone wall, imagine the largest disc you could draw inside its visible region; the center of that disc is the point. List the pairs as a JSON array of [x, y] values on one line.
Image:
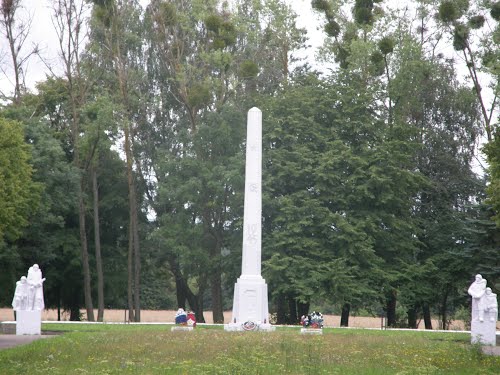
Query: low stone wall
[[8, 328]]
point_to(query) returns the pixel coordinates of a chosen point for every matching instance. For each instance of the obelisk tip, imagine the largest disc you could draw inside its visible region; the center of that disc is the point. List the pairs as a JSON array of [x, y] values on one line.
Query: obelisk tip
[[254, 109]]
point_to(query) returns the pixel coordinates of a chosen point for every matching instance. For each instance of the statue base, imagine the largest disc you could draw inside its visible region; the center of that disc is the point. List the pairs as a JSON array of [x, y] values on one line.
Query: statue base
[[28, 322], [181, 329], [311, 331], [249, 326], [484, 332]]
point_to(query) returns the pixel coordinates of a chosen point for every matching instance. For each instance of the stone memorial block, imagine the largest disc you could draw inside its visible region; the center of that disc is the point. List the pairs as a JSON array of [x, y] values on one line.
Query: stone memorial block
[[182, 321], [484, 312], [312, 323]]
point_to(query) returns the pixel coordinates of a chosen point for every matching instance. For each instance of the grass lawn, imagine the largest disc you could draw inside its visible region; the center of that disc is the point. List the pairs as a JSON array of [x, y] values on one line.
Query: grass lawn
[[154, 349]]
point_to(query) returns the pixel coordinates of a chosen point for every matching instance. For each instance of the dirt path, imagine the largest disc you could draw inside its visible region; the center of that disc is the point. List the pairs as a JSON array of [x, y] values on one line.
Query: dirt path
[[10, 341]]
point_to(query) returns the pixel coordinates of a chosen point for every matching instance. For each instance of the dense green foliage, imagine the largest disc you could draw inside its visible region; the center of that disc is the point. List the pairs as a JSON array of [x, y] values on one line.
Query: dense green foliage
[[17, 191], [123, 177]]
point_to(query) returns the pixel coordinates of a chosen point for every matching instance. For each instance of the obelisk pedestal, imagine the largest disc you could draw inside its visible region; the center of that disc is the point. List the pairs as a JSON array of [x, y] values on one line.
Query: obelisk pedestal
[[250, 304]]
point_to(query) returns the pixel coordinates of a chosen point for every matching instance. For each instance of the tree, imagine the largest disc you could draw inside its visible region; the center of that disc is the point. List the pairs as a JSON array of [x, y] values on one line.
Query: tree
[[336, 211], [121, 51], [69, 20], [462, 21], [18, 193], [16, 31]]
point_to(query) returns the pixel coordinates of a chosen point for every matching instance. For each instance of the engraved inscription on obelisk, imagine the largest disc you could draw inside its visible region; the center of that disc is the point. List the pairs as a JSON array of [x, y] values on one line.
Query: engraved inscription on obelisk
[[253, 198]]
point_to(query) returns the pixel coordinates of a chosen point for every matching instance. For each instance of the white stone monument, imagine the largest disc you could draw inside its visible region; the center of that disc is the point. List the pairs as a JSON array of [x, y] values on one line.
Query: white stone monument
[[250, 304], [484, 313], [28, 302]]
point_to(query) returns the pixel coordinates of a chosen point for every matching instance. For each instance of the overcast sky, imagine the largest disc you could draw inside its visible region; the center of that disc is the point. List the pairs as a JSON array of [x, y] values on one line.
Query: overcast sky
[[42, 32]]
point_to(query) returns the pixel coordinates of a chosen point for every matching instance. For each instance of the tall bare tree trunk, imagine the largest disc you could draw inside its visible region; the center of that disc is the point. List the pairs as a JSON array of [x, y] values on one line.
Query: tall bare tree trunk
[[8, 14], [134, 257], [87, 290], [68, 20], [16, 31], [130, 277], [98, 258], [137, 262]]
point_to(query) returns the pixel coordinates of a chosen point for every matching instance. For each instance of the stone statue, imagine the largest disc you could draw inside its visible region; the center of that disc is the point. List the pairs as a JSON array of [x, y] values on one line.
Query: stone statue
[[484, 312], [28, 302], [20, 300], [477, 288], [488, 305], [35, 281], [483, 299]]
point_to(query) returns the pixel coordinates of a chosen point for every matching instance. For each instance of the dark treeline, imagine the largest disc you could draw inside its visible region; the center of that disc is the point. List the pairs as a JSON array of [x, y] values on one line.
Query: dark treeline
[[122, 176]]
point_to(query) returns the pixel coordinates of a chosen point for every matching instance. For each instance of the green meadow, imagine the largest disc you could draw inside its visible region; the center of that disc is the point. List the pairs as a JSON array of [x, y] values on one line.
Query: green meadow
[[154, 349]]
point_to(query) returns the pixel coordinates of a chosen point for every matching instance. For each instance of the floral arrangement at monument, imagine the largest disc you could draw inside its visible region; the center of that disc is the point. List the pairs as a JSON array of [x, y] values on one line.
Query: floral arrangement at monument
[[183, 318], [312, 320]]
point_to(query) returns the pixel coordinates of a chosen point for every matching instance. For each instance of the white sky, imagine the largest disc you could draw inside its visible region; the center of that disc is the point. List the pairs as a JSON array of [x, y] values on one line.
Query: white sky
[[42, 32]]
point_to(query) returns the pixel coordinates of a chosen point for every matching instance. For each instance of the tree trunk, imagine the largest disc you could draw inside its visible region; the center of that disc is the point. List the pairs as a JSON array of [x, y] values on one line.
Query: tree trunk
[[292, 308], [180, 291], [74, 309], [184, 292], [9, 22], [412, 317], [391, 309], [444, 317], [216, 287], [85, 256], [137, 266], [197, 300], [302, 309], [59, 304], [427, 316], [134, 265], [97, 240], [74, 314], [344, 317], [130, 275], [281, 317]]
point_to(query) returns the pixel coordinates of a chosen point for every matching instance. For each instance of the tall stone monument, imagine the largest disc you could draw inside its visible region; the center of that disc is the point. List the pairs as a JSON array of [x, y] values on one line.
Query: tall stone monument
[[250, 305], [28, 302], [484, 312]]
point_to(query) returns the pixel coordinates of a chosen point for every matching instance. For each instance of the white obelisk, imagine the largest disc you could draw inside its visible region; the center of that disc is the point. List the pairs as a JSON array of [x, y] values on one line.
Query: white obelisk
[[250, 305]]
